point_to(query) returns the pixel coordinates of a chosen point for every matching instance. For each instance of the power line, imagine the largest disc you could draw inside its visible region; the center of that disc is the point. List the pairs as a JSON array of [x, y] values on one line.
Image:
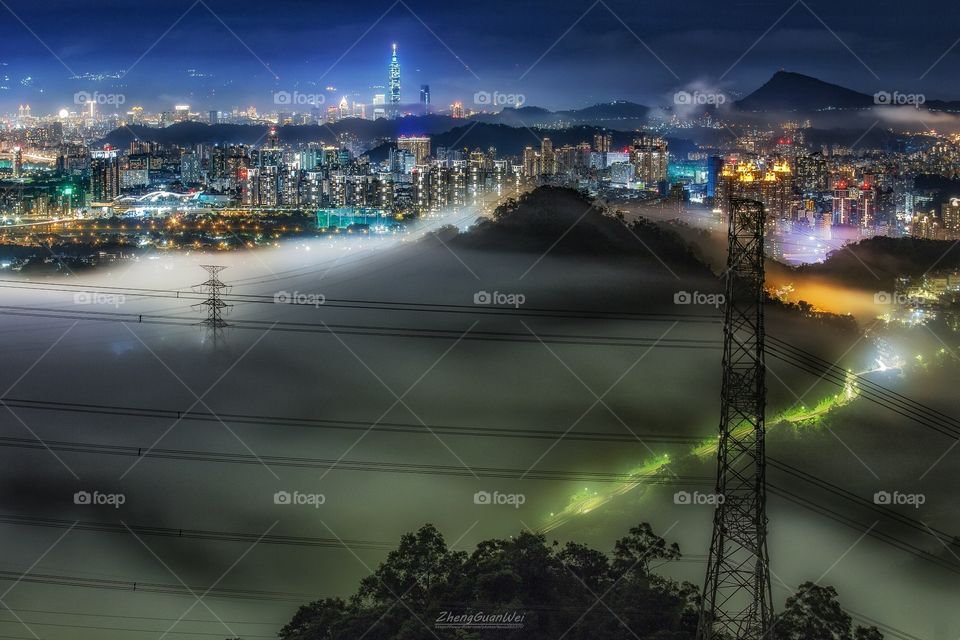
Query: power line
[[345, 465], [154, 587], [370, 330], [194, 534], [379, 305], [87, 614], [127, 630], [348, 425]]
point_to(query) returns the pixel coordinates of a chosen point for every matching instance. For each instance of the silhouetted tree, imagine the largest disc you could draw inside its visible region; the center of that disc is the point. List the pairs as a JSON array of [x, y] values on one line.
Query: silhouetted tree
[[569, 591]]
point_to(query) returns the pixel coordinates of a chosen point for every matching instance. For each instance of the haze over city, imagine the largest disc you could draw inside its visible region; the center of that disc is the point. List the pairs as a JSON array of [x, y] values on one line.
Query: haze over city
[[544, 321]]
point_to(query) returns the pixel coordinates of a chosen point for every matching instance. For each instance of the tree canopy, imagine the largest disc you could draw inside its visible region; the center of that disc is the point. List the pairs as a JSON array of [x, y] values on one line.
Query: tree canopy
[[521, 587]]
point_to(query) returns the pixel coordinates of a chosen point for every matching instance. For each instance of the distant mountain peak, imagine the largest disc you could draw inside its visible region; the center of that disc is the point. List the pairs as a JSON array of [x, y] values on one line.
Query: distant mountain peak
[[792, 91]]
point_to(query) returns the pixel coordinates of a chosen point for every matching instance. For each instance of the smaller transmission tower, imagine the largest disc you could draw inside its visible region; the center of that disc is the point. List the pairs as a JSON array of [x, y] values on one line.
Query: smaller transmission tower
[[215, 290]]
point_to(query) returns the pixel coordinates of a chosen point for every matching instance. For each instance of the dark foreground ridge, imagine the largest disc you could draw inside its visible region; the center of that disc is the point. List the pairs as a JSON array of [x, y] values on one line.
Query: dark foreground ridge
[[522, 588]]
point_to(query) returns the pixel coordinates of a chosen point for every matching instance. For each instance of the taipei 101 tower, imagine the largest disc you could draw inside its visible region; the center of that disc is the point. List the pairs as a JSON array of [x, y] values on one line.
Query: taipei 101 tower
[[394, 79]]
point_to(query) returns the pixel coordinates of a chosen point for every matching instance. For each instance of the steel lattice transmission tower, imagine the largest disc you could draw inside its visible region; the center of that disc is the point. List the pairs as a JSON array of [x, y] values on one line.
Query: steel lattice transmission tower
[[736, 596], [215, 290]]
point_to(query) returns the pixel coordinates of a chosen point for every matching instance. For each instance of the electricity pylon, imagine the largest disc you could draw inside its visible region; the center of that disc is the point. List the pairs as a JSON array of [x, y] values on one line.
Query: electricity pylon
[[215, 290], [736, 595]]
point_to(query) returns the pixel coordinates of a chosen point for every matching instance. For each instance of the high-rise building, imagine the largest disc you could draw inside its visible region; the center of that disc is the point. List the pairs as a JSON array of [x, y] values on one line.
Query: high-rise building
[[867, 206], [104, 176], [843, 203], [425, 97], [456, 110], [714, 167], [190, 168], [812, 172], [394, 77], [950, 213], [17, 162], [772, 186], [649, 158], [531, 162], [214, 117], [547, 164], [418, 146], [602, 142], [379, 99]]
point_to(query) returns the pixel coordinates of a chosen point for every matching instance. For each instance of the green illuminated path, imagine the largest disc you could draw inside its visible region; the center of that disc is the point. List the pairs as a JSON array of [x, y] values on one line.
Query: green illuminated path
[[587, 500]]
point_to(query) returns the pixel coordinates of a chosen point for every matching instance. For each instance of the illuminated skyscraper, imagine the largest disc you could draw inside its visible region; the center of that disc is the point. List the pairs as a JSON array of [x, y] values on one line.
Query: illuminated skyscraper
[[104, 176], [425, 97], [649, 158], [547, 165], [602, 142], [419, 147], [190, 168], [17, 162], [950, 213], [394, 77], [531, 162], [456, 110], [842, 203]]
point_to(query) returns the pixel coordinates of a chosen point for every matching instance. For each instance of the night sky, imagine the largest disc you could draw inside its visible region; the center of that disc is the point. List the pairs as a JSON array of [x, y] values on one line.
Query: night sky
[[215, 55], [240, 53]]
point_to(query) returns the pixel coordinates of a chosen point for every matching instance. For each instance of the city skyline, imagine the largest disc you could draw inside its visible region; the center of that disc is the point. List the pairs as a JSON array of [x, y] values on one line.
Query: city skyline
[[416, 321], [201, 59]]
